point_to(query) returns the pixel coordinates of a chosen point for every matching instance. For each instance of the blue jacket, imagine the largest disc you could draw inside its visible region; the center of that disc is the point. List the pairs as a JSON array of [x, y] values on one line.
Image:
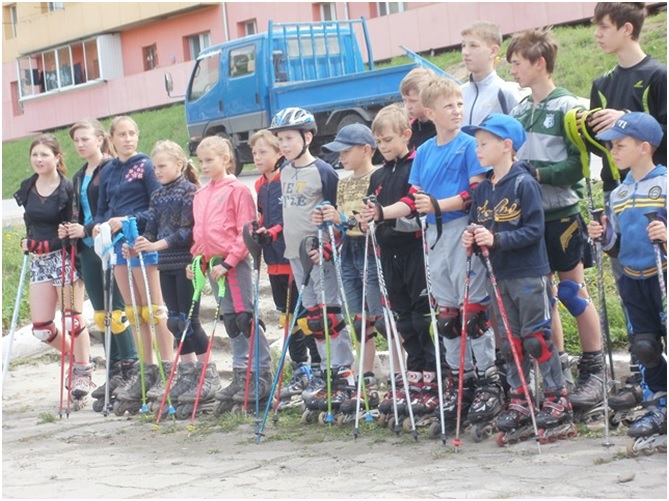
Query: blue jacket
[[271, 214], [126, 188], [513, 211], [627, 232]]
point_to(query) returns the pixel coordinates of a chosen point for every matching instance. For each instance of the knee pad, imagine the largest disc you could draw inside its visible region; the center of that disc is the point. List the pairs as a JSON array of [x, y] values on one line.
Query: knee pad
[[130, 313], [244, 320], [507, 350], [176, 323], [568, 295], [285, 320], [159, 313], [335, 321], [421, 322], [230, 322], [449, 322], [405, 324], [99, 319], [119, 322], [45, 331], [477, 320], [369, 328], [648, 349], [539, 346], [303, 325], [74, 323]]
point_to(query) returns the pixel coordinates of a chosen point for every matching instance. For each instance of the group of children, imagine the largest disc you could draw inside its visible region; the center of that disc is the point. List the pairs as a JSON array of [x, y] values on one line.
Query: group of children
[[479, 188]]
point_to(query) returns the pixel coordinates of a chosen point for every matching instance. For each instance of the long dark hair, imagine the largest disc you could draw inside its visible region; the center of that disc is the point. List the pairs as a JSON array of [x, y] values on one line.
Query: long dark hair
[[50, 141]]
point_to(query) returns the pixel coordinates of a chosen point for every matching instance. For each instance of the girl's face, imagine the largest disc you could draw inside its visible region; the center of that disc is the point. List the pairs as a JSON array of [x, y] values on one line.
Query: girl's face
[[86, 142], [167, 167], [212, 163], [125, 139], [43, 159], [264, 156]]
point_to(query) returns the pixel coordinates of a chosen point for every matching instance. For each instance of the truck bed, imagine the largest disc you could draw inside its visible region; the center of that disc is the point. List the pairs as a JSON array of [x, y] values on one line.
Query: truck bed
[[360, 89]]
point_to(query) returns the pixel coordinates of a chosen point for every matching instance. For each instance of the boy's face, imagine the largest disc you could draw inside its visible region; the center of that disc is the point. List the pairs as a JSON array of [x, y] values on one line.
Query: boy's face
[[446, 113], [291, 142], [626, 151], [391, 144], [413, 105], [524, 71], [490, 149], [354, 157], [610, 38], [264, 156], [478, 56]]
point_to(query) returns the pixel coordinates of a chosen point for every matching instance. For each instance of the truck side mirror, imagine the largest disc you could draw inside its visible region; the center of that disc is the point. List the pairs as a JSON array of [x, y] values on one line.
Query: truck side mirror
[[169, 84]]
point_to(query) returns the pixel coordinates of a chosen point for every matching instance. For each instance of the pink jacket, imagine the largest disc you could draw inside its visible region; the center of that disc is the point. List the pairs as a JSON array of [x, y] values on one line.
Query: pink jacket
[[220, 210]]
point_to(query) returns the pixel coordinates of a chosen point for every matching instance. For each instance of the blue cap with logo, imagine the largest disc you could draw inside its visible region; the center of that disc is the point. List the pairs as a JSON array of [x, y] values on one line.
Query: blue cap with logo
[[640, 126], [502, 126], [349, 136]]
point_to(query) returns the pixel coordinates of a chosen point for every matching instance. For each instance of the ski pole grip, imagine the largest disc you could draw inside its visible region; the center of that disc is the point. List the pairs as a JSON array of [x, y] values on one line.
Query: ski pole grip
[[652, 216], [215, 261], [597, 215], [198, 267], [130, 232], [484, 250]]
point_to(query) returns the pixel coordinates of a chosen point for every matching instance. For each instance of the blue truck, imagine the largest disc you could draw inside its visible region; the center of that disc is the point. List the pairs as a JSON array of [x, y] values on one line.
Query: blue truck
[[236, 87]]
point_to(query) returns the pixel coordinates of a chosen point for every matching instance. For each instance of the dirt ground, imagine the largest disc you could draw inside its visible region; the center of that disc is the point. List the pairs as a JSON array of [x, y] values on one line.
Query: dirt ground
[[90, 456]]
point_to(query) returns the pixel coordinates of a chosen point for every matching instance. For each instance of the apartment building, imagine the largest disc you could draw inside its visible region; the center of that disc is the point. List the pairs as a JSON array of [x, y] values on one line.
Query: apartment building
[[62, 61]]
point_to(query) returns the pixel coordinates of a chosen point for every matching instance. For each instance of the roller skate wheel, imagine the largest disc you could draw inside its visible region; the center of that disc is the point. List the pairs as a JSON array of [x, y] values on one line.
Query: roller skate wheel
[[434, 430], [392, 424], [182, 412], [308, 417], [383, 420], [119, 408], [632, 451], [406, 425], [501, 439], [661, 448], [481, 431], [322, 418], [340, 420]]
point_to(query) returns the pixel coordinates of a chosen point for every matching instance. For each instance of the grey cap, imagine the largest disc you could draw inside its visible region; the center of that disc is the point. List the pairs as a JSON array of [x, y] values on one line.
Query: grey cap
[[351, 135]]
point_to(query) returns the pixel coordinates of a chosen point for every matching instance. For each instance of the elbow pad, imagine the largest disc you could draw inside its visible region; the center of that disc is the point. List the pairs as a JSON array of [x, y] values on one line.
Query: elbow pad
[[409, 199], [467, 196]]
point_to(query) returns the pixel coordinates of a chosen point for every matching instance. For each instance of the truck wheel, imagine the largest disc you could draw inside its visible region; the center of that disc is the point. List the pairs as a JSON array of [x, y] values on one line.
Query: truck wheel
[[351, 118]]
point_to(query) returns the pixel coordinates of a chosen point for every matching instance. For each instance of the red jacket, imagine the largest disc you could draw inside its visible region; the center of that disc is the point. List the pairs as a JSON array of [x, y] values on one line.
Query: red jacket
[[220, 210]]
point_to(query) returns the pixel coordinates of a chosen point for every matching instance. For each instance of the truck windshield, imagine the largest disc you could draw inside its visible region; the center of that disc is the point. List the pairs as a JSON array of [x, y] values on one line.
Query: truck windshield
[[205, 76]]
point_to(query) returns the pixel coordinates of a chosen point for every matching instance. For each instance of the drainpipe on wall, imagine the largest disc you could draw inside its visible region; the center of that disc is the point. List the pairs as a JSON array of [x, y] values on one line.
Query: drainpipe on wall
[[226, 31], [346, 13]]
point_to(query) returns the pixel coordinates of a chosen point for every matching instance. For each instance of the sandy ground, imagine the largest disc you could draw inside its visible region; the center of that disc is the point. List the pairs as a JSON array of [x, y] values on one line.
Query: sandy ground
[[90, 456]]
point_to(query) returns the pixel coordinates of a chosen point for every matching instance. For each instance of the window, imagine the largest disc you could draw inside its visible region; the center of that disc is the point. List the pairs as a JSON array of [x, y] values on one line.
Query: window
[[242, 61], [387, 8], [53, 6], [194, 44], [150, 56], [250, 27], [205, 75], [51, 70], [328, 11], [9, 19]]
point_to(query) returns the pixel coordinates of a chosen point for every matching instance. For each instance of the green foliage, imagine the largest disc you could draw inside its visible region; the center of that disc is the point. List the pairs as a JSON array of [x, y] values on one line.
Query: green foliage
[[12, 259], [163, 123]]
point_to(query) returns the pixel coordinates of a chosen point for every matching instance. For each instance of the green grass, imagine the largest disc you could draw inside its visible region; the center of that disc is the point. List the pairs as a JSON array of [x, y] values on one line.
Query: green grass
[[12, 259]]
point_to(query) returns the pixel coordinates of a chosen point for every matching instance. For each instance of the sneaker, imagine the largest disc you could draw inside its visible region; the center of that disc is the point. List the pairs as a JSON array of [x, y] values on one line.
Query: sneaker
[[298, 382], [629, 396], [589, 390], [566, 362], [157, 391], [82, 383], [210, 384]]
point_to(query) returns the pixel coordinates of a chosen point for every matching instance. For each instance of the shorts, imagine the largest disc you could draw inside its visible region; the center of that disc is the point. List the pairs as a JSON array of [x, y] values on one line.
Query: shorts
[[566, 243], [150, 258], [49, 268]]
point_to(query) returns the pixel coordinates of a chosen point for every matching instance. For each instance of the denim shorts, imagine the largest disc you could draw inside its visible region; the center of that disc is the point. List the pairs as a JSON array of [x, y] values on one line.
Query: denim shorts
[[352, 266], [150, 258]]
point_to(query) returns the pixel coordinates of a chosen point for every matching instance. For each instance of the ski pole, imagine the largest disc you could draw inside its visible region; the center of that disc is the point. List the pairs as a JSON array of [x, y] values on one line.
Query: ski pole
[[329, 418], [219, 300], [463, 347], [391, 328], [596, 214], [347, 313], [307, 266], [72, 326], [255, 249], [287, 322], [514, 350], [652, 216], [198, 285], [63, 350], [433, 316], [15, 317]]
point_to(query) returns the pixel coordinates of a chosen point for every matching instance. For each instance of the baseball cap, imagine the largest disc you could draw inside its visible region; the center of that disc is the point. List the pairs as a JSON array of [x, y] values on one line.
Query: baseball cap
[[641, 126], [351, 135], [502, 126]]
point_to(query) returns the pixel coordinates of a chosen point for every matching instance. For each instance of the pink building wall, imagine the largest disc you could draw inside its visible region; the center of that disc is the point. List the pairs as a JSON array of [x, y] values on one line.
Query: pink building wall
[[422, 27]]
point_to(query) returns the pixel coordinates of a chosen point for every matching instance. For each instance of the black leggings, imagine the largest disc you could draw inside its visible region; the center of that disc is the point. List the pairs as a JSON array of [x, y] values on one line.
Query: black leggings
[[178, 296]]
